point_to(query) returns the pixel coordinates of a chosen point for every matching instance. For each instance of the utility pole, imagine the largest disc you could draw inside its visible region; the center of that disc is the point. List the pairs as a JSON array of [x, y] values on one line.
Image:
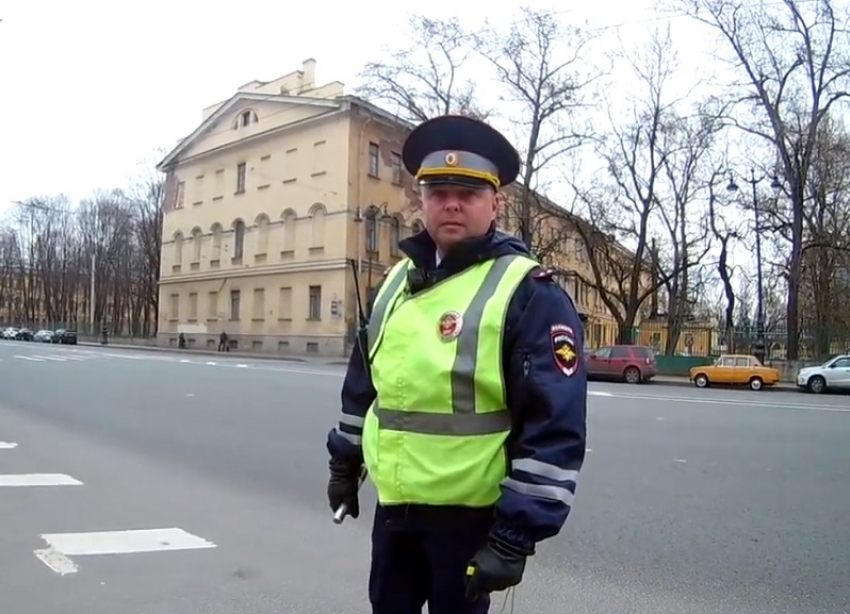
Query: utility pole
[[92, 289]]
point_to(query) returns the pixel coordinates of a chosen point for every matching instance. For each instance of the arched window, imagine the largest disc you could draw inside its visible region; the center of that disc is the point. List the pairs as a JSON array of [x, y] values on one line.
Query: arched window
[[216, 242], [371, 228], [197, 235], [238, 238], [395, 235], [262, 233], [317, 225], [245, 118], [289, 222]]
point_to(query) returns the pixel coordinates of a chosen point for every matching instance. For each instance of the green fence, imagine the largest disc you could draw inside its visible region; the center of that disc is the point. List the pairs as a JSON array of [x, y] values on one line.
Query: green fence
[[680, 365]]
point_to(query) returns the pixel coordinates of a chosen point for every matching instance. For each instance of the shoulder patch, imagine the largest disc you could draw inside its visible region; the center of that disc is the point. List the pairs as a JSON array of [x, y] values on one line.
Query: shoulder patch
[[564, 351], [542, 273]]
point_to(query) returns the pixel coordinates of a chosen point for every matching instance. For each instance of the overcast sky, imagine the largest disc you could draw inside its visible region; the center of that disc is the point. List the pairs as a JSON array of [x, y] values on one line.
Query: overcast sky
[[91, 88]]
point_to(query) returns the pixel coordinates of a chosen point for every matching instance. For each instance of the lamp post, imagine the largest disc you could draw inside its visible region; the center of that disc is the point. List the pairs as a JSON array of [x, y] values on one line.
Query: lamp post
[[760, 346]]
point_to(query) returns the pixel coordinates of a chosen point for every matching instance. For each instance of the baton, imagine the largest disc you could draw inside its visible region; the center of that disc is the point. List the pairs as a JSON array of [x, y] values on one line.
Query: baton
[[342, 511]]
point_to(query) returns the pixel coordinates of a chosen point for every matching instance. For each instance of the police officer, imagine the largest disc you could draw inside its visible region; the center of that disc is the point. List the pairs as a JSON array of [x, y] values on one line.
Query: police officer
[[468, 403]]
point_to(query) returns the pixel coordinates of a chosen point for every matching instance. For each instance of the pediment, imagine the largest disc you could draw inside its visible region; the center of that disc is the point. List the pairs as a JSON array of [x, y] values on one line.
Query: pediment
[[246, 115]]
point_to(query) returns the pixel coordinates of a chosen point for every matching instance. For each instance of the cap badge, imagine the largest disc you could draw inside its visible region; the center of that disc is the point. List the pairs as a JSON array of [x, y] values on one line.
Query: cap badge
[[451, 324], [451, 159]]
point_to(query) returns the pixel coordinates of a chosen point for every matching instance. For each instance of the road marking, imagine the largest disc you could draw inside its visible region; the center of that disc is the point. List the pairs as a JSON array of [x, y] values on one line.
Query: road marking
[[4, 445], [185, 360], [28, 358], [56, 358], [736, 403], [242, 366], [38, 479], [62, 546], [211, 363], [597, 393], [680, 460]]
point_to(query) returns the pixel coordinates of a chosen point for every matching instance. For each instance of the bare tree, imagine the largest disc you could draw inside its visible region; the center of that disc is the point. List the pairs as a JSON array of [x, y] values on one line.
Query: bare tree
[[424, 80], [546, 71], [826, 311], [795, 70], [649, 182], [726, 233]]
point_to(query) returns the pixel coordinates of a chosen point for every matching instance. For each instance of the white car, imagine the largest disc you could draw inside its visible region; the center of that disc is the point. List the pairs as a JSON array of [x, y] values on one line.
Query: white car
[[833, 374]]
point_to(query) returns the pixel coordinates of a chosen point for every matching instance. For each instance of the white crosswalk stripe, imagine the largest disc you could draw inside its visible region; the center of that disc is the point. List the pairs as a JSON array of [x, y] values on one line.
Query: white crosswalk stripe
[[60, 547]]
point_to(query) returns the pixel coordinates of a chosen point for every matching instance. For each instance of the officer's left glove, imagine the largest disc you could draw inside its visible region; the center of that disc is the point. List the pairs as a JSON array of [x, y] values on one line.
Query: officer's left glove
[[496, 567]]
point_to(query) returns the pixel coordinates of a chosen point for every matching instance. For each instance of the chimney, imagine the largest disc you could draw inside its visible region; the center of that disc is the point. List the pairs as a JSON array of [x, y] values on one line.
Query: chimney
[[308, 74]]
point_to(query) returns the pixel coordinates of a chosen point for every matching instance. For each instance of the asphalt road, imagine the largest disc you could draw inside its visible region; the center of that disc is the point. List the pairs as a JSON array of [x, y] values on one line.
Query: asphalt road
[[692, 502]]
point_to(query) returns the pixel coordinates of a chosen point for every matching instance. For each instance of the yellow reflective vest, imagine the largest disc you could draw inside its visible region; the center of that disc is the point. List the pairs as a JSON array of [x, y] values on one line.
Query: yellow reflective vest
[[436, 433]]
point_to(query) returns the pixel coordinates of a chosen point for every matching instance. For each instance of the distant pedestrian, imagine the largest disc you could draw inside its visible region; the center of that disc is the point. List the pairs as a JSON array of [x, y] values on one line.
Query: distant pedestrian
[[223, 345], [181, 341]]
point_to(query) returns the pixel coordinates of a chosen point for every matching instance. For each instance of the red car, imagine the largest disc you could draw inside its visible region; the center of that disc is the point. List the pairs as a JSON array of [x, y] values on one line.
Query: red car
[[630, 363]]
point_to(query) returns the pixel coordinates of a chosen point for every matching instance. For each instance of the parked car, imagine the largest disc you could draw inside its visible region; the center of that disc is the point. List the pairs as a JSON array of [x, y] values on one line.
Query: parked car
[[64, 336], [631, 363], [9, 333], [44, 336], [24, 334], [735, 370], [834, 374]]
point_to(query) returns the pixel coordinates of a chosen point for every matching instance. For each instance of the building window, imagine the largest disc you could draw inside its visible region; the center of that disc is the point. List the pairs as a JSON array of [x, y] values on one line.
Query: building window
[[315, 308], [193, 306], [371, 227], [181, 194], [240, 178], [397, 168], [234, 304], [238, 240], [175, 306], [395, 236], [374, 160], [245, 118]]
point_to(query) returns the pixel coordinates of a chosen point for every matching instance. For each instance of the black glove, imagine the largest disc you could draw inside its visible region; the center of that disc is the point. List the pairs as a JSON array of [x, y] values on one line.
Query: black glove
[[496, 567], [343, 486]]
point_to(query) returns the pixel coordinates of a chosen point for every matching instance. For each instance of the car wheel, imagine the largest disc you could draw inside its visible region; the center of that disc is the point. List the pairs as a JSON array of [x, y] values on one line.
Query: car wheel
[[632, 375], [701, 381], [817, 384], [756, 383]]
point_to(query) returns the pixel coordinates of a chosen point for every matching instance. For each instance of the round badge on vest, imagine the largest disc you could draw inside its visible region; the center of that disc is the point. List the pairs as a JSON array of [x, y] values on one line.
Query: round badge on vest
[[450, 325]]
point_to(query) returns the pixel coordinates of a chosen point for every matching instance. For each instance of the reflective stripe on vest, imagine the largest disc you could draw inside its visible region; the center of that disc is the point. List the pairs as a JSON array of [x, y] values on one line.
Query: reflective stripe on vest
[[463, 420]]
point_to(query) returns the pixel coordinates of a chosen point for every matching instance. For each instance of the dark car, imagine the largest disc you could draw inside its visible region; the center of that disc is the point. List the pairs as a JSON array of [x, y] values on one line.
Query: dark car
[[64, 336], [24, 334], [631, 363]]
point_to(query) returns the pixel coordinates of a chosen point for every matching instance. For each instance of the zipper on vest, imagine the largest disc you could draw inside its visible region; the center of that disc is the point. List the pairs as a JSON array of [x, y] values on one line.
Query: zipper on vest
[[526, 365]]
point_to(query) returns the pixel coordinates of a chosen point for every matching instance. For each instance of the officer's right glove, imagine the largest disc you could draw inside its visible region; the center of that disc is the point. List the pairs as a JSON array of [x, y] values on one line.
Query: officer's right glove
[[343, 486]]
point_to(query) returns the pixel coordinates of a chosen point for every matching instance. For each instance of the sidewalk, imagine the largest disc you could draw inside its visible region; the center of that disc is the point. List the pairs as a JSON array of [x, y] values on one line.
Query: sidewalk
[[322, 360]]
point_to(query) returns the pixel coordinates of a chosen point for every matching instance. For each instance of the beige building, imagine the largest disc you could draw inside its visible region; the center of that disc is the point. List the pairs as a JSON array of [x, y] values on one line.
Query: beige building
[[280, 193], [277, 197]]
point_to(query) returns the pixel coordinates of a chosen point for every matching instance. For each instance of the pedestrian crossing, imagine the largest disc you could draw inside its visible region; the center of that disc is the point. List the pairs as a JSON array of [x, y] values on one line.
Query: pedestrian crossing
[[59, 552]]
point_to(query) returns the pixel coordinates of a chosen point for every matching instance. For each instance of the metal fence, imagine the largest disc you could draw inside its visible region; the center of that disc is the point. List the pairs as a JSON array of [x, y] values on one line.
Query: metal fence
[[700, 340]]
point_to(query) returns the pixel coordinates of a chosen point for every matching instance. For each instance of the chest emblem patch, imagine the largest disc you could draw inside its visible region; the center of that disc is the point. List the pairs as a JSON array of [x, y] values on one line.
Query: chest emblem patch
[[451, 323]]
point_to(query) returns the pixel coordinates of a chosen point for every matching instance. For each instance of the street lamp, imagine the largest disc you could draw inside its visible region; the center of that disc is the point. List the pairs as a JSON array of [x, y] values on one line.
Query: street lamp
[[761, 346]]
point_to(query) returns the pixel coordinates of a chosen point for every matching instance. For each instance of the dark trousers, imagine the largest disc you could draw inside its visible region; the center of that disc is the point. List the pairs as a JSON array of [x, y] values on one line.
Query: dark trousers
[[420, 554]]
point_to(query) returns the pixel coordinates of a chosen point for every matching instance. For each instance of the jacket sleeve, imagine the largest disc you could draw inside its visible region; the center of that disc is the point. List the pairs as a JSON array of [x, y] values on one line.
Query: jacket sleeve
[[358, 393], [547, 395]]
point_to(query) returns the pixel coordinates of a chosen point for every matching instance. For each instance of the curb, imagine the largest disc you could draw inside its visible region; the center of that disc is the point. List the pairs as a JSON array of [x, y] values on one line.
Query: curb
[[684, 383], [188, 352]]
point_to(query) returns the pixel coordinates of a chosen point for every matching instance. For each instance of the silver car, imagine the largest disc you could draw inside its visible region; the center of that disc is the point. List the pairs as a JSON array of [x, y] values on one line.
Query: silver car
[[834, 374]]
